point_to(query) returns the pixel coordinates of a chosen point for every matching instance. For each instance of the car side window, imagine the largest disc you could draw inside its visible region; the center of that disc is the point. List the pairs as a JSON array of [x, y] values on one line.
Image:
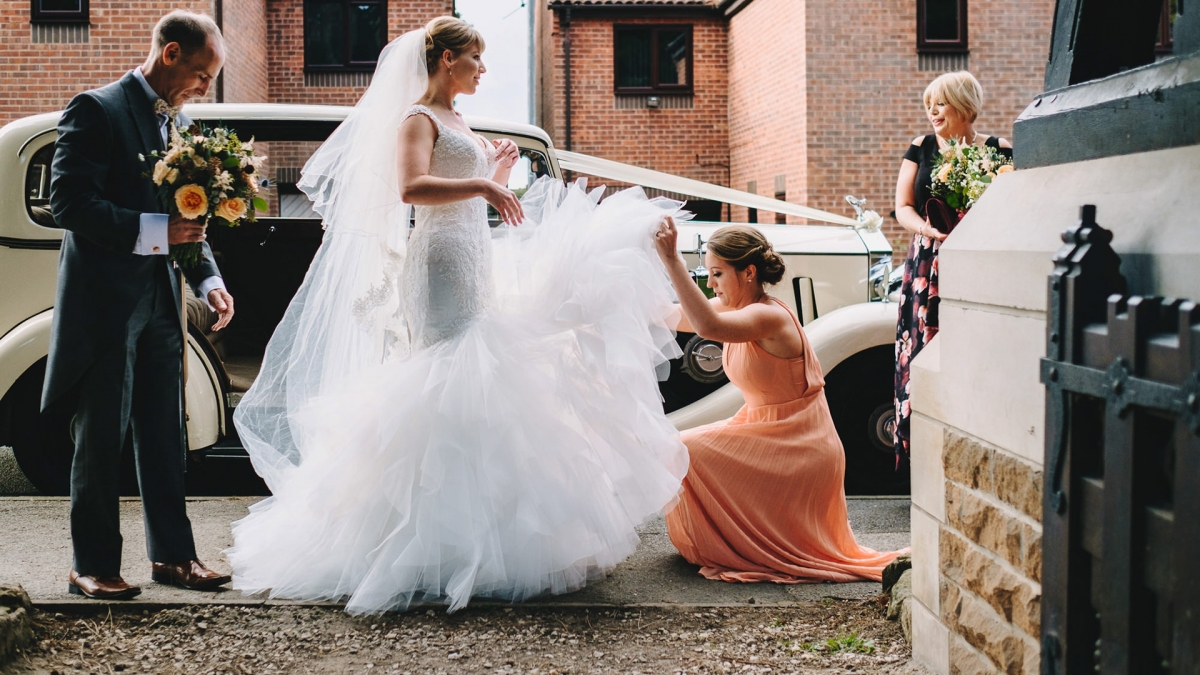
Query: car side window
[[532, 165], [37, 186], [284, 161]]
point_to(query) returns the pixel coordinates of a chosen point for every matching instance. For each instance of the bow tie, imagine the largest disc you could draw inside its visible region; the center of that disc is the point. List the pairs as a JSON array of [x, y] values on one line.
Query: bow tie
[[161, 107]]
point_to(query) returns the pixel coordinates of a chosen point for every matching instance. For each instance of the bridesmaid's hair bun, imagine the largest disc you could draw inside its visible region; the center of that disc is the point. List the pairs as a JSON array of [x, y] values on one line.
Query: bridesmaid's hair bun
[[743, 246], [448, 32]]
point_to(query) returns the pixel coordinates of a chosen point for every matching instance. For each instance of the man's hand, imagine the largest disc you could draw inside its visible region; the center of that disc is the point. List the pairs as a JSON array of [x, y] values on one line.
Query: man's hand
[[221, 301], [181, 230], [507, 153]]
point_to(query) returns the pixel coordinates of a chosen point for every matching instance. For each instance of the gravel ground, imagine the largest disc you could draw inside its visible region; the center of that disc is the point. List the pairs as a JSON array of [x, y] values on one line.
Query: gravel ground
[[828, 636]]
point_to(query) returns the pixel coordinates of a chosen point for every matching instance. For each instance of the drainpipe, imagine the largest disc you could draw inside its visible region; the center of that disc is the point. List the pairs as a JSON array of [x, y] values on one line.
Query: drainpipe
[[218, 7], [566, 25]]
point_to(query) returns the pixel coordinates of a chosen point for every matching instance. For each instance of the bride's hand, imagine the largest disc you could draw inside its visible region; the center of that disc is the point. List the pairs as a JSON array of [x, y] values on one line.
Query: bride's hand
[[666, 237], [504, 201], [507, 153]]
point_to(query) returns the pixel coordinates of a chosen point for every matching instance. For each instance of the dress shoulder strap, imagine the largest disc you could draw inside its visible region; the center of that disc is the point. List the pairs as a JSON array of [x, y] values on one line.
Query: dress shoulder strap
[[418, 109], [992, 142]]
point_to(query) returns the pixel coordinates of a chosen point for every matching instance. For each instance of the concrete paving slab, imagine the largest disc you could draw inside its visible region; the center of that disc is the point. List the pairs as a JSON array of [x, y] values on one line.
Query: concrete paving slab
[[35, 552]]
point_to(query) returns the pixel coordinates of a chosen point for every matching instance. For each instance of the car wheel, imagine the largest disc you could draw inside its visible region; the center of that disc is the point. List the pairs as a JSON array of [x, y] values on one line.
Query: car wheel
[[860, 396], [696, 374], [42, 444]]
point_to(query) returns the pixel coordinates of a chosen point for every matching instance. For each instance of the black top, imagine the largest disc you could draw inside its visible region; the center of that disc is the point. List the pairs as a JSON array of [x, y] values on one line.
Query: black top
[[923, 155]]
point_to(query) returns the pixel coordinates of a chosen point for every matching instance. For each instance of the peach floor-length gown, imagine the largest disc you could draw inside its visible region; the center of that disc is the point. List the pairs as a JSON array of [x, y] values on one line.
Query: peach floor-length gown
[[763, 497]]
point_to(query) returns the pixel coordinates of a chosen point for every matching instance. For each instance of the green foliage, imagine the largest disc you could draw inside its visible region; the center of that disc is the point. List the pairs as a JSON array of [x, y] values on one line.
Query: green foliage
[[961, 173], [850, 643]]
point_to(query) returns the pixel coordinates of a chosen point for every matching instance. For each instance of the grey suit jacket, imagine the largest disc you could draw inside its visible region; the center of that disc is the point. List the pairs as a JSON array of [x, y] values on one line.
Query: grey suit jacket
[[98, 191]]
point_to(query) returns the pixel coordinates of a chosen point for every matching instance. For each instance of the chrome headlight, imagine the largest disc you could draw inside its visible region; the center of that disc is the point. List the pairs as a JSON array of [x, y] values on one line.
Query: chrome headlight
[[877, 278]]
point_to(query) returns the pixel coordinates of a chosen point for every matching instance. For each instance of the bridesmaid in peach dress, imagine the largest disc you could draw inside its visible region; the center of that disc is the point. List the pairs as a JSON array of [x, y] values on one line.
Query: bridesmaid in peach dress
[[763, 497]]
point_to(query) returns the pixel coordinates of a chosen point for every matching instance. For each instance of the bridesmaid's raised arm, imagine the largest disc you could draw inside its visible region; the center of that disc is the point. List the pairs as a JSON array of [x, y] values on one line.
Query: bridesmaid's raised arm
[[715, 319]]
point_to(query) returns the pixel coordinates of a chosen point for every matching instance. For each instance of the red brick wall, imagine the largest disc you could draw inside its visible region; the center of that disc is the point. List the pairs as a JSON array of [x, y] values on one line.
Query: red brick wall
[[864, 89], [39, 78], [767, 103], [285, 48], [265, 58], [688, 142], [244, 77]]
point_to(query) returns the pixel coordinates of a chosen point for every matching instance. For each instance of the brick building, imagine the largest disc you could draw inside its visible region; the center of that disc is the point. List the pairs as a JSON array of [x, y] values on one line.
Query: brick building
[[807, 100], [278, 51]]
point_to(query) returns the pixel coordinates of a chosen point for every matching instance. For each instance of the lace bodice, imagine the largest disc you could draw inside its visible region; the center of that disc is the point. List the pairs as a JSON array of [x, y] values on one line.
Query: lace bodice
[[447, 277]]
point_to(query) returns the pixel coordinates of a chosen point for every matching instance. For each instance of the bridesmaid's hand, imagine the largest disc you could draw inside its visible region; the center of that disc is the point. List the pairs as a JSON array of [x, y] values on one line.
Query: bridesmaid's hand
[[665, 240]]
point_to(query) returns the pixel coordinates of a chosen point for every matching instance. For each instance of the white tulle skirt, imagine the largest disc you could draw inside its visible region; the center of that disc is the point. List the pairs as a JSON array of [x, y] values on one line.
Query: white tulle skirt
[[510, 461]]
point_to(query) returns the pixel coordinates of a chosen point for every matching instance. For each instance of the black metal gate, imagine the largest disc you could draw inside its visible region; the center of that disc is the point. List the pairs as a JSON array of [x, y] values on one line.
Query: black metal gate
[[1121, 539]]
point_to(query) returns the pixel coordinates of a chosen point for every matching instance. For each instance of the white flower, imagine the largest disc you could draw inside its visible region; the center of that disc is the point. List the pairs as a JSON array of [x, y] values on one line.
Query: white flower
[[172, 176], [223, 181], [160, 172]]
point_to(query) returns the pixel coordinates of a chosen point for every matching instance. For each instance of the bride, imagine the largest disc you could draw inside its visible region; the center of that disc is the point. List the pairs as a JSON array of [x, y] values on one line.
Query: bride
[[455, 413]]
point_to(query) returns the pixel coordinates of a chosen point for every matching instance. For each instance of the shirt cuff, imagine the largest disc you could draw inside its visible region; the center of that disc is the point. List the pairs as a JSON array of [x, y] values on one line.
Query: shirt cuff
[[152, 236], [207, 287]]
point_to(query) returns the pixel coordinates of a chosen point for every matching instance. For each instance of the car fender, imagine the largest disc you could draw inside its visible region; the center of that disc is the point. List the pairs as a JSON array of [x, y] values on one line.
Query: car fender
[[29, 342], [22, 347], [834, 337]]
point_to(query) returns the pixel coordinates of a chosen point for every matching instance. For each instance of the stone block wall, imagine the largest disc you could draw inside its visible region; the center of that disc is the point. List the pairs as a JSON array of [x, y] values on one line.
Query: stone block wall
[[978, 424], [990, 550]]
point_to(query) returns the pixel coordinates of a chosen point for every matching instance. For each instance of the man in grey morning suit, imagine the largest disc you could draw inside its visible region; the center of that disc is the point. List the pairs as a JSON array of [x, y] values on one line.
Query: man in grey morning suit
[[116, 346]]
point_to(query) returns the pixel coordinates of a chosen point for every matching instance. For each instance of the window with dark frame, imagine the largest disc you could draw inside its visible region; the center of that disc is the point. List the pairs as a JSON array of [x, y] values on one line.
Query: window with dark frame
[[344, 35], [59, 11], [942, 26], [1165, 44], [652, 59]]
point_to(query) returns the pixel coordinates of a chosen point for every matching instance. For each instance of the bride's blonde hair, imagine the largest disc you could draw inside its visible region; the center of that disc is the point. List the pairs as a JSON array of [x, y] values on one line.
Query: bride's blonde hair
[[448, 32]]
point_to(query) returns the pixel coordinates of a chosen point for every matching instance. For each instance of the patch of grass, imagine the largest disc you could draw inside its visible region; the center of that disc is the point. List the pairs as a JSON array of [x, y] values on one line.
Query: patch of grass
[[850, 643]]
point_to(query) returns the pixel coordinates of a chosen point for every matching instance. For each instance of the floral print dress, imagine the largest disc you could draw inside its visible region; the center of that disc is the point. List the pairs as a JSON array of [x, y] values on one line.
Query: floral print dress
[[918, 320]]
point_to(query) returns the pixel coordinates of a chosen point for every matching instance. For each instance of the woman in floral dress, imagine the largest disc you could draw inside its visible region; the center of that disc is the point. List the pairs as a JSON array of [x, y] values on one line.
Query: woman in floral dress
[[952, 103]]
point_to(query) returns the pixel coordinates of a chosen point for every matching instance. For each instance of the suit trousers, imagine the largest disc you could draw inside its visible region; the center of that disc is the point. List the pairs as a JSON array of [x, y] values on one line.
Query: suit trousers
[[135, 386]]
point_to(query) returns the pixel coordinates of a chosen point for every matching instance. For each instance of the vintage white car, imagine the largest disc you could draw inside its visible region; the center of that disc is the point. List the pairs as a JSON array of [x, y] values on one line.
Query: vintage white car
[[837, 281]]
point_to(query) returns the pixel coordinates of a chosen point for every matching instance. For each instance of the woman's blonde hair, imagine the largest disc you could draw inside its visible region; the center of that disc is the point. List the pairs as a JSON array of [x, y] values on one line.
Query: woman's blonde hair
[[743, 246], [448, 32], [959, 90]]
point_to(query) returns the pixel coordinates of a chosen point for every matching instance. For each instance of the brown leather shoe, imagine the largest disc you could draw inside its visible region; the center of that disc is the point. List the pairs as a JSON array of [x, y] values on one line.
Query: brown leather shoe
[[192, 575], [100, 588]]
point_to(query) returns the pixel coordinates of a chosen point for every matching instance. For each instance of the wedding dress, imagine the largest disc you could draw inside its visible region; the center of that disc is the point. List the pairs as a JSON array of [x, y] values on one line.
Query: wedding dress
[[476, 414]]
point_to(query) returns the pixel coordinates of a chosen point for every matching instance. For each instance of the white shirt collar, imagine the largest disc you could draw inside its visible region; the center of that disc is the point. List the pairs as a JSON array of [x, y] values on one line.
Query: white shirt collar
[[141, 78]]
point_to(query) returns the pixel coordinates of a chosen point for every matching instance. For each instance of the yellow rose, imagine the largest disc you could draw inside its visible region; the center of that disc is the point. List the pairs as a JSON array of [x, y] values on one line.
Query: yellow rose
[[1004, 169], [160, 172], [231, 209], [191, 201], [944, 172]]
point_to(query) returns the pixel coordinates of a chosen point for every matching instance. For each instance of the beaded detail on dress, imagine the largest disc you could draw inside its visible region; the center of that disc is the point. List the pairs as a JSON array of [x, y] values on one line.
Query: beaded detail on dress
[[447, 278]]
